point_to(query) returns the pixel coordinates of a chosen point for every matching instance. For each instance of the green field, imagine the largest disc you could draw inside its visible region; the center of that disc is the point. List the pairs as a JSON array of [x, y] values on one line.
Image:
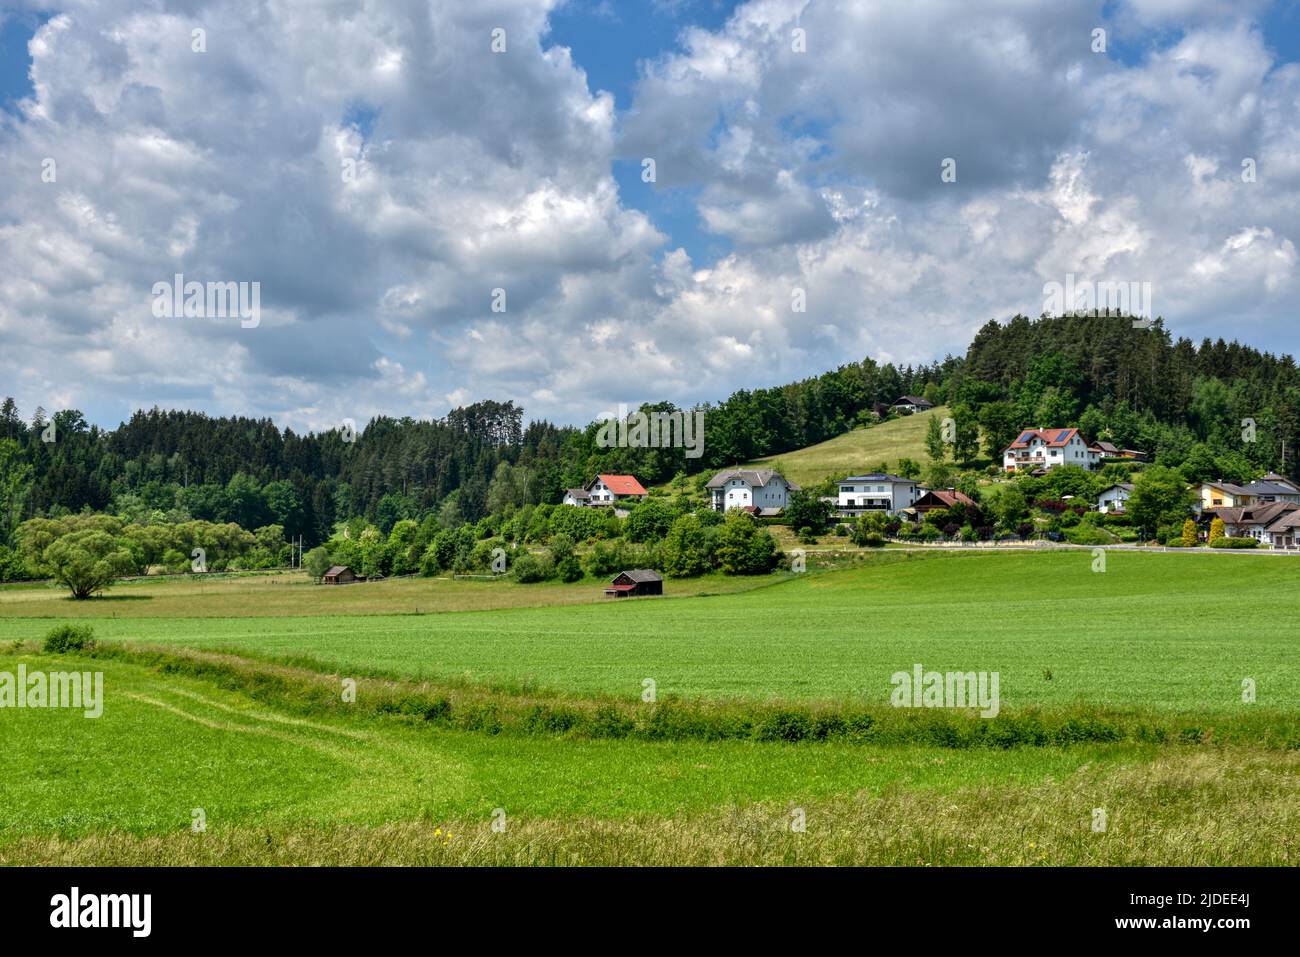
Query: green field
[[856, 451], [287, 773]]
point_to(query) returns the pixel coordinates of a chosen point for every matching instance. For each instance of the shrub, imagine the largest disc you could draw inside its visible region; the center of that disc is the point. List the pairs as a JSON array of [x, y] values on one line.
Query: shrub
[[569, 570], [1227, 542], [1088, 534], [529, 569], [1217, 531], [66, 638]]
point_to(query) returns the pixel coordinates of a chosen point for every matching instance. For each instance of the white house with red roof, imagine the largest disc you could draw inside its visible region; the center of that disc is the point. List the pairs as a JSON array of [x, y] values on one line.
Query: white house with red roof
[[1046, 449], [606, 490]]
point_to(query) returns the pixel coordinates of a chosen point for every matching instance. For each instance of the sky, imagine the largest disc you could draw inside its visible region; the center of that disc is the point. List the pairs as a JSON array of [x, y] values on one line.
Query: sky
[[444, 202]]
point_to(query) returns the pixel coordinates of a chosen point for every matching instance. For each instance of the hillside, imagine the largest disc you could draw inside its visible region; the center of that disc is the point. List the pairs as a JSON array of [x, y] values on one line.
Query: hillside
[[862, 450]]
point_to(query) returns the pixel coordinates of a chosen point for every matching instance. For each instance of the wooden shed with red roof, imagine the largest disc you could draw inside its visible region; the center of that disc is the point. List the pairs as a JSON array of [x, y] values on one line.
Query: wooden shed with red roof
[[635, 582]]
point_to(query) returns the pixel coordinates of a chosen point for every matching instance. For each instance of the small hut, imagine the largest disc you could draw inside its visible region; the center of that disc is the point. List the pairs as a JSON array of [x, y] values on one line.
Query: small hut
[[635, 582], [339, 575]]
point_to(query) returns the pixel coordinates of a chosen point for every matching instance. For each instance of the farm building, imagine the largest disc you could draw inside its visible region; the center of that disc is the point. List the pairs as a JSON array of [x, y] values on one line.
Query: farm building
[[635, 582], [339, 575], [913, 403]]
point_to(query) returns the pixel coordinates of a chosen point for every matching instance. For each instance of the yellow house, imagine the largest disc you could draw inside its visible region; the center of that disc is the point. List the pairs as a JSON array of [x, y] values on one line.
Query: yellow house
[[1224, 495]]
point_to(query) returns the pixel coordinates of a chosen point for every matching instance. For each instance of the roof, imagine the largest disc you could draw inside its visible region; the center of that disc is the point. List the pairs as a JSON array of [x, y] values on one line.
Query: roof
[[620, 587], [1126, 486], [640, 575], [1288, 519], [1106, 447], [337, 570], [1263, 515], [1268, 488], [949, 498], [620, 484], [577, 492], [913, 400], [880, 477], [754, 478], [1228, 487], [1280, 480], [1053, 438]]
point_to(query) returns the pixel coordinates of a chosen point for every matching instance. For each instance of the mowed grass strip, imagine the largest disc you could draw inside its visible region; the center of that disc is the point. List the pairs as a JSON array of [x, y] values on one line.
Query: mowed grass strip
[[1161, 631]]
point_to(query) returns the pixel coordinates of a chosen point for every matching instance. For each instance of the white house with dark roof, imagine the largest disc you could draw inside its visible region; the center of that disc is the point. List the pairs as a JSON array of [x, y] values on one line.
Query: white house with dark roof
[[762, 490], [1115, 497], [876, 492], [913, 403]]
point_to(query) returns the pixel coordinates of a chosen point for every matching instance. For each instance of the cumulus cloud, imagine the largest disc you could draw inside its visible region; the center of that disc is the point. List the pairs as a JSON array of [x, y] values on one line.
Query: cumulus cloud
[[381, 172]]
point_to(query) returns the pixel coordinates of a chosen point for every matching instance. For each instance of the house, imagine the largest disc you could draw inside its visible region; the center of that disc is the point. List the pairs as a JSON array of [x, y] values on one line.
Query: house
[[339, 575], [913, 403], [1105, 450], [1272, 490], [1280, 480], [635, 583], [1113, 499], [1219, 495], [941, 498], [876, 492], [1285, 531], [1046, 449], [576, 496], [605, 490], [761, 490], [1276, 524]]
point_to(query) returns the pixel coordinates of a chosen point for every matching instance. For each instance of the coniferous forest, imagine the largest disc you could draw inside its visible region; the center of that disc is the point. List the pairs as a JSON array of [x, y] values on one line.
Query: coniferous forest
[[1183, 403]]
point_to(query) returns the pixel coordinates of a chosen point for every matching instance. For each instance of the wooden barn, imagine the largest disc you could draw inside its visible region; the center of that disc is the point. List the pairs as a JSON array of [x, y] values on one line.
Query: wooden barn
[[635, 582], [339, 575]]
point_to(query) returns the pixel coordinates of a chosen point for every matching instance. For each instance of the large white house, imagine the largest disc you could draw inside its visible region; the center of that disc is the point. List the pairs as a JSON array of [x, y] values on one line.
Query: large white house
[[876, 492], [1046, 449], [762, 490]]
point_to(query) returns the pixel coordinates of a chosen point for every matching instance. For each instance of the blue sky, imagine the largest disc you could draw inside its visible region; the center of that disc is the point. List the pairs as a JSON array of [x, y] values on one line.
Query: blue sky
[[464, 172]]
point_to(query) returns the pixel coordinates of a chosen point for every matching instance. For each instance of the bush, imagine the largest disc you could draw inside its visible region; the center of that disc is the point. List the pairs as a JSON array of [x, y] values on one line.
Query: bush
[[66, 638], [1227, 542], [569, 569], [529, 569], [1087, 534]]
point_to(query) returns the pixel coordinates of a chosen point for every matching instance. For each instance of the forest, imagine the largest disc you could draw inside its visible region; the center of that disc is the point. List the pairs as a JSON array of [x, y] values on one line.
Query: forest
[[1213, 410]]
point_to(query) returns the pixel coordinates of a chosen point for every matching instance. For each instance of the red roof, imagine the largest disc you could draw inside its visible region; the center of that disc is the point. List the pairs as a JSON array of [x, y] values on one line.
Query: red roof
[[622, 484], [1054, 438], [620, 587]]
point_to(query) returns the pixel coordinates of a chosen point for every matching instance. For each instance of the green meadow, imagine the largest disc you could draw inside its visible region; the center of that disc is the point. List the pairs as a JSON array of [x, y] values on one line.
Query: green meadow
[[1161, 631], [532, 717]]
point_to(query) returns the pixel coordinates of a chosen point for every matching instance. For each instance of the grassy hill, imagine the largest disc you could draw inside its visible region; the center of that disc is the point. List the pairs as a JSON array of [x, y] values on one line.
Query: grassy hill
[[861, 450]]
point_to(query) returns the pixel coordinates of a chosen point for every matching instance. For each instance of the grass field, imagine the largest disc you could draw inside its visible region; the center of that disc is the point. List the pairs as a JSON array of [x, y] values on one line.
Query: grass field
[[286, 773], [846, 454]]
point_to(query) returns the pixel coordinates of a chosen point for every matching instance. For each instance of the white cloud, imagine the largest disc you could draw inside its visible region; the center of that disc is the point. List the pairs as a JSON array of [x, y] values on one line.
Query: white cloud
[[381, 172]]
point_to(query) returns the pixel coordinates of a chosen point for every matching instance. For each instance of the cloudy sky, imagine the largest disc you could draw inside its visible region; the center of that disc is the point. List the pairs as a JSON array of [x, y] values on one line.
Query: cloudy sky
[[381, 170]]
